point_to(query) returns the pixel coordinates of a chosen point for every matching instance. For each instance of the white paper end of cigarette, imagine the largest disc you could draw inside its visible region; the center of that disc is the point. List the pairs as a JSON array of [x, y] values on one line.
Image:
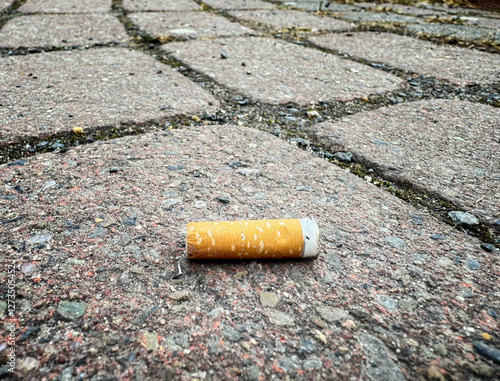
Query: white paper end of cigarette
[[310, 237], [253, 239]]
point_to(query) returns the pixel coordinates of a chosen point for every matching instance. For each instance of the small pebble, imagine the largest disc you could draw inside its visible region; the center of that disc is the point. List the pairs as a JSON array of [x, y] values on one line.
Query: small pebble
[[472, 264], [487, 247], [463, 219], [346, 157]]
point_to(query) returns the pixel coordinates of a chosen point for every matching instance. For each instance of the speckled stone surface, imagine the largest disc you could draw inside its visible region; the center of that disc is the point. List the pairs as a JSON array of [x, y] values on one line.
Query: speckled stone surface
[[462, 32], [66, 6], [445, 147], [51, 92], [97, 231], [289, 18], [482, 22], [5, 3], [62, 30], [378, 17], [454, 64], [239, 4], [279, 72], [160, 5], [187, 24], [399, 8], [315, 5]]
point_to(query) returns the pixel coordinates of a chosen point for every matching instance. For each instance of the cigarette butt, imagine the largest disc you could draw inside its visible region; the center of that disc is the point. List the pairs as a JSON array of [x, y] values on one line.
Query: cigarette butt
[[252, 239]]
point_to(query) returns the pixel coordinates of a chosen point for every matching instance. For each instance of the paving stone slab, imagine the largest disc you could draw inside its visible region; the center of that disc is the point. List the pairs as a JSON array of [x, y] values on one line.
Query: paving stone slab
[[66, 6], [445, 147], [51, 92], [399, 8], [238, 4], [62, 30], [314, 5], [290, 18], [160, 5], [481, 22], [454, 64], [94, 227], [187, 24], [5, 3], [274, 71], [462, 32], [378, 17]]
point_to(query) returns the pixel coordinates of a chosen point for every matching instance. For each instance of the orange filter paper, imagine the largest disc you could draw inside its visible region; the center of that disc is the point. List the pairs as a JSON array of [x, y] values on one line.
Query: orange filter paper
[[244, 239]]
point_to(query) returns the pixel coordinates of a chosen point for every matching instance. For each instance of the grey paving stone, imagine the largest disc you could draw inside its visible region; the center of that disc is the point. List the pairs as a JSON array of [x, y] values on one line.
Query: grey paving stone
[[315, 5], [290, 18], [445, 147], [238, 4], [5, 3], [399, 8], [454, 64], [481, 22], [463, 32], [187, 24], [378, 17], [362, 216], [66, 6], [62, 30], [274, 71], [160, 5], [49, 92]]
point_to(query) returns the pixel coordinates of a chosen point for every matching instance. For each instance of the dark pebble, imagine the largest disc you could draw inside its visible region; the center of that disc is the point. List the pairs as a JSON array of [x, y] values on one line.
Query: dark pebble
[[487, 351], [224, 56], [301, 142], [472, 264], [306, 346], [130, 221], [17, 162], [492, 313], [223, 200], [346, 157], [487, 246], [114, 170], [379, 142], [236, 164], [437, 236], [175, 167]]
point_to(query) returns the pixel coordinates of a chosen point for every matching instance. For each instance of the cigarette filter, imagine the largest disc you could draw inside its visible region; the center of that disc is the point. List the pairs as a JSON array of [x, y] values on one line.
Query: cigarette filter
[[252, 239]]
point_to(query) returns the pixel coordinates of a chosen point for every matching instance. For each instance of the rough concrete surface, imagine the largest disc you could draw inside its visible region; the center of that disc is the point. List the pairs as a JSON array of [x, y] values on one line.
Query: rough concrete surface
[[96, 237], [5, 3], [443, 146], [160, 5], [62, 30], [481, 22], [463, 32], [238, 4], [292, 19], [399, 8], [378, 17], [66, 6], [187, 24], [454, 64], [315, 5], [51, 92], [108, 151], [272, 71]]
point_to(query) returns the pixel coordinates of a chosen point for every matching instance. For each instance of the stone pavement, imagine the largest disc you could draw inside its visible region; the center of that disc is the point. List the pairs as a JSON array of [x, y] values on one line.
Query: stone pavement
[[122, 121]]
